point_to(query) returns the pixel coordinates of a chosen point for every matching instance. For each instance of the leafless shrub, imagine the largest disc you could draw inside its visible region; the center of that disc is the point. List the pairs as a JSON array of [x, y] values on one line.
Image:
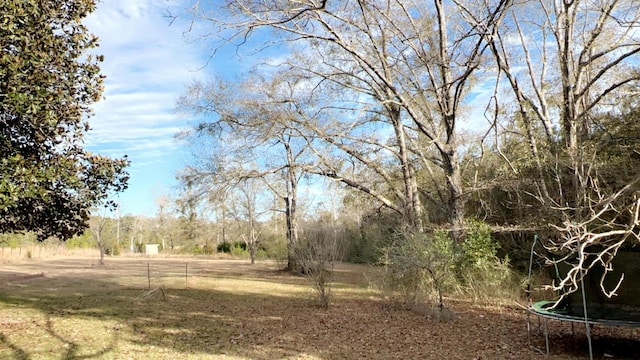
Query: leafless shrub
[[317, 252]]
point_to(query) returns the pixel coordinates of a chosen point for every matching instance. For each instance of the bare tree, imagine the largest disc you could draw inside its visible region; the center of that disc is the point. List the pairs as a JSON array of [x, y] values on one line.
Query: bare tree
[[568, 65], [416, 59], [163, 203], [97, 224], [249, 204], [241, 127], [579, 58], [188, 209]]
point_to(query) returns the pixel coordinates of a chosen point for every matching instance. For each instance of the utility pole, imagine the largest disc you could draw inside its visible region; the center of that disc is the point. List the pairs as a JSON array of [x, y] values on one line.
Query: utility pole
[[118, 224]]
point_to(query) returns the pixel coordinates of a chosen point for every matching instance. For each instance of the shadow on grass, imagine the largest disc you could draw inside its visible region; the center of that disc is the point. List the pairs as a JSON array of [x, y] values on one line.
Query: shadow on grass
[[206, 320], [72, 348], [18, 353], [190, 321]]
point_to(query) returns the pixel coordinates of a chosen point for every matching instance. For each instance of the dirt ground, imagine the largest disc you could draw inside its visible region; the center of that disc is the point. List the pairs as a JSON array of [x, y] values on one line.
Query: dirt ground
[[220, 308]]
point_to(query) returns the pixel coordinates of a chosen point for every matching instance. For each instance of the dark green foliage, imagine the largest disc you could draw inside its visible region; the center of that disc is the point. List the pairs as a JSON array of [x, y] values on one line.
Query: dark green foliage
[[481, 273], [48, 182], [366, 242], [617, 144], [361, 251], [478, 247], [224, 247], [228, 248]]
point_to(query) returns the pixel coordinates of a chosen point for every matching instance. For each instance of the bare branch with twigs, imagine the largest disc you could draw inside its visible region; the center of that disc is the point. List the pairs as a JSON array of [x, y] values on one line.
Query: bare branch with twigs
[[613, 222]]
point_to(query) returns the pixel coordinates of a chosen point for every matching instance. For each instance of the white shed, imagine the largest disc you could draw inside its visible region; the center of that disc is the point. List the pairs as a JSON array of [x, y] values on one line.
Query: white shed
[[151, 249]]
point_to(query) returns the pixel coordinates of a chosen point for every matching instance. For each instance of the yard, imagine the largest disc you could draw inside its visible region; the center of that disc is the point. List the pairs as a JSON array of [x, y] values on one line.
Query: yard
[[198, 308]]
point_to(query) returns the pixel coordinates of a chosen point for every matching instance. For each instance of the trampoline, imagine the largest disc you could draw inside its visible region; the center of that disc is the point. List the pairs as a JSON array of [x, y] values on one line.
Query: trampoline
[[588, 305], [597, 314]]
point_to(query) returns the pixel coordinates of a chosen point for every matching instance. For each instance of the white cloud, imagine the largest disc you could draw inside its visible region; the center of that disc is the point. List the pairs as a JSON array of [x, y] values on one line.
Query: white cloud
[[147, 64]]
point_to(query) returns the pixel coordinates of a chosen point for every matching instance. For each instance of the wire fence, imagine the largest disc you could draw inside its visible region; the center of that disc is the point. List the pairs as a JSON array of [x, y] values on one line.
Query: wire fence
[[131, 270], [42, 251]]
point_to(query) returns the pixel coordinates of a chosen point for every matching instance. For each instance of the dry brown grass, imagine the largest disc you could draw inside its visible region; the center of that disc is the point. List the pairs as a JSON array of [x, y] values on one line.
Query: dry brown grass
[[228, 309]]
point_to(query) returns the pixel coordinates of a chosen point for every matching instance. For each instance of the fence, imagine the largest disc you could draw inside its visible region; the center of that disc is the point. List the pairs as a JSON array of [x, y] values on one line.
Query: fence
[[39, 251]]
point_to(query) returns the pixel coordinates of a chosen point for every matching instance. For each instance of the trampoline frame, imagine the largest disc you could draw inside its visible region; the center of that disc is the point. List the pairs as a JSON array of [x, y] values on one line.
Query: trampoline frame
[[540, 309]]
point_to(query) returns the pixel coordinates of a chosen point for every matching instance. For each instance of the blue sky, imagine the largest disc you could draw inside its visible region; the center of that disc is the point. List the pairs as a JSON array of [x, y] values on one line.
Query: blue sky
[[147, 65], [149, 62]]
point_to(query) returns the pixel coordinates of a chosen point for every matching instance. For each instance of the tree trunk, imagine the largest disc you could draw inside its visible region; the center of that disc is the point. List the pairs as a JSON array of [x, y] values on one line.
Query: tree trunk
[[290, 200], [448, 100], [252, 237], [252, 253], [293, 264], [410, 202], [456, 200], [101, 248]]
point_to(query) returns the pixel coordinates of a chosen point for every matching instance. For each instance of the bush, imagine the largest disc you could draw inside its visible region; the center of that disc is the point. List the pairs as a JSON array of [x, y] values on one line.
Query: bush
[[239, 249], [262, 254], [113, 251], [207, 249], [193, 249], [83, 241], [224, 247], [421, 268], [482, 273], [366, 243], [362, 250], [478, 247], [273, 247]]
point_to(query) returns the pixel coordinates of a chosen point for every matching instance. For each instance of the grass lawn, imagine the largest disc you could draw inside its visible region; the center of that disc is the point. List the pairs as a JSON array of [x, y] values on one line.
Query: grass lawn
[[68, 308]]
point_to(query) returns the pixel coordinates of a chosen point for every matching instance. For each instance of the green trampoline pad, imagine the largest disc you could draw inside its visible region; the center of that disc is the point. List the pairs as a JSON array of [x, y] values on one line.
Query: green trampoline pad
[[607, 314]]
